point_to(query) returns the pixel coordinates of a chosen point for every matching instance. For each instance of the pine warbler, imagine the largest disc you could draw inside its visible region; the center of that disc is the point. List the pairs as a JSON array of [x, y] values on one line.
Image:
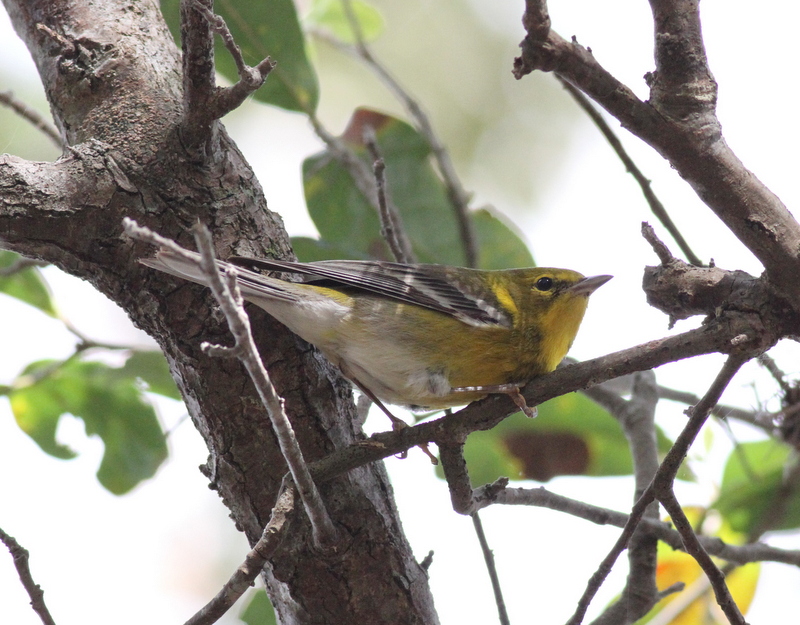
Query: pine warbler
[[424, 336]]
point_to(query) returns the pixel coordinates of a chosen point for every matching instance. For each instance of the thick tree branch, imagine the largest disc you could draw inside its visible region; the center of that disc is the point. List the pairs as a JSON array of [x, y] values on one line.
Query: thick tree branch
[[230, 301], [113, 74], [679, 122], [227, 99]]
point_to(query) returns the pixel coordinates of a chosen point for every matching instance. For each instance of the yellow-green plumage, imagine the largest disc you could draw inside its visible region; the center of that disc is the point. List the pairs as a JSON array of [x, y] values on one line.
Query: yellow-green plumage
[[416, 334]]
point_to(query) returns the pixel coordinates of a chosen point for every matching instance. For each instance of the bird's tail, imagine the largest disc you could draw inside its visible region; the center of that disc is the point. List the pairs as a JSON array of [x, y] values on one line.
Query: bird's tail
[[254, 286]]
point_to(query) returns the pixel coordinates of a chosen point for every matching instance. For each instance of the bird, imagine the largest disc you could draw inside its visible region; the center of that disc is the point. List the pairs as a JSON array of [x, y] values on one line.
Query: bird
[[424, 336]]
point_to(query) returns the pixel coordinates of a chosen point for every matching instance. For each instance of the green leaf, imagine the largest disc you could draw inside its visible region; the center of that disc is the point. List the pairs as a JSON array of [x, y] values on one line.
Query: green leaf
[[111, 405], [751, 487], [571, 436], [270, 28], [27, 285], [330, 15], [347, 222], [259, 610], [500, 246], [151, 367]]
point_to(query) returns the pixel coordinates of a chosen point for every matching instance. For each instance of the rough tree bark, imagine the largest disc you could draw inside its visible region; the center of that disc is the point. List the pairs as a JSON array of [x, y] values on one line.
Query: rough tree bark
[[112, 74]]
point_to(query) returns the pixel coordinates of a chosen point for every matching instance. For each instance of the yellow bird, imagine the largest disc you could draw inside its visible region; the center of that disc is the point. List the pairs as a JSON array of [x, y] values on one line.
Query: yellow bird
[[424, 336]]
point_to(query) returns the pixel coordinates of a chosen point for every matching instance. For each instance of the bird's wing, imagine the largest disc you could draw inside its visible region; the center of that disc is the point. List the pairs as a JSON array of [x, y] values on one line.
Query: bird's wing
[[449, 290]]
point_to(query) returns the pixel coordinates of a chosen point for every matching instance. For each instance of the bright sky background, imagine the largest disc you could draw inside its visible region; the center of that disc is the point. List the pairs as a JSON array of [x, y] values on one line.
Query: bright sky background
[[159, 553]]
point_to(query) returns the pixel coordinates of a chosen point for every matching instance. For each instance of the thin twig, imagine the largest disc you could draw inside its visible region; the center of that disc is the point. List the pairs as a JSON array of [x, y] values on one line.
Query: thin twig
[[659, 247], [661, 489], [392, 228], [362, 177], [458, 196], [768, 362], [758, 418], [230, 303], [253, 563], [663, 484], [33, 116], [638, 423], [678, 605], [599, 576], [488, 557], [239, 323], [543, 498], [35, 592], [695, 549], [644, 183]]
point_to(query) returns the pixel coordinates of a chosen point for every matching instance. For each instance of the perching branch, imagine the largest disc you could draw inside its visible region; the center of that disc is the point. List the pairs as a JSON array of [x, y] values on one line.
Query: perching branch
[[246, 351], [716, 336], [36, 594]]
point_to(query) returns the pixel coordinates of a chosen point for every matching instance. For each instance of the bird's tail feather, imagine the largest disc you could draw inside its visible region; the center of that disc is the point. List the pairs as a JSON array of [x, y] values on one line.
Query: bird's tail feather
[[254, 286]]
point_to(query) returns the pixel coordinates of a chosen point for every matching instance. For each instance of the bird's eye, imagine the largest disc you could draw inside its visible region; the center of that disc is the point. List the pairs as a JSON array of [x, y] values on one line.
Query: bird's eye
[[544, 284]]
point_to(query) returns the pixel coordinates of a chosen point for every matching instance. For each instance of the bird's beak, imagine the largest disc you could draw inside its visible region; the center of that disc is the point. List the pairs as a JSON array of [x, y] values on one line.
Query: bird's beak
[[587, 286]]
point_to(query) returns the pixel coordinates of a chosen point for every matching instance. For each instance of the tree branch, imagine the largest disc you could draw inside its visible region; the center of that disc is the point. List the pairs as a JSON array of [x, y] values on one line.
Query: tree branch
[[638, 422], [458, 196], [392, 229], [36, 594], [692, 143], [227, 295], [499, 493], [38, 121], [253, 563], [661, 489], [647, 190], [488, 557], [118, 79], [199, 82], [225, 100]]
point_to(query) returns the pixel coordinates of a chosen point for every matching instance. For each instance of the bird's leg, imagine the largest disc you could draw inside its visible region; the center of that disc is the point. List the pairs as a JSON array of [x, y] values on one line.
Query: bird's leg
[[397, 424], [512, 390]]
